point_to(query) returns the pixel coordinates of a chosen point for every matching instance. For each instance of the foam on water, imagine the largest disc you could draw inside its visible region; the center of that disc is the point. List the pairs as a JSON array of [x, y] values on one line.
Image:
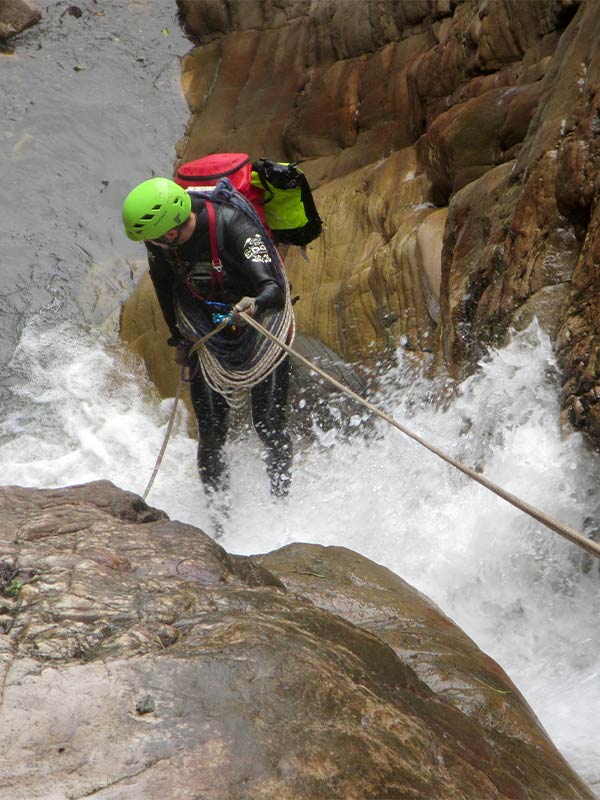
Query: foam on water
[[83, 410]]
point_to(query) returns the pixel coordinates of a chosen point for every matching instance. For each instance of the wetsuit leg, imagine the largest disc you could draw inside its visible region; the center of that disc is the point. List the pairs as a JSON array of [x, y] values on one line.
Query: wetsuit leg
[[211, 412], [269, 415]]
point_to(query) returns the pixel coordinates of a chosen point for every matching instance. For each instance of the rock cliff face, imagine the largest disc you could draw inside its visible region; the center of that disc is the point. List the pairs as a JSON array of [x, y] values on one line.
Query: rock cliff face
[[393, 109], [139, 659], [454, 148], [16, 16]]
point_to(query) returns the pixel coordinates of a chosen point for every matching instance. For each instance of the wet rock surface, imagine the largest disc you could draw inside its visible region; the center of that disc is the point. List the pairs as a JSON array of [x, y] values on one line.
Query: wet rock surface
[[139, 659], [480, 112], [16, 16]]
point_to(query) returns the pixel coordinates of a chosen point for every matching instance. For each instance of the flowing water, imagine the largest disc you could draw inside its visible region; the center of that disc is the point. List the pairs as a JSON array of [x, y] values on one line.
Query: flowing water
[[76, 407]]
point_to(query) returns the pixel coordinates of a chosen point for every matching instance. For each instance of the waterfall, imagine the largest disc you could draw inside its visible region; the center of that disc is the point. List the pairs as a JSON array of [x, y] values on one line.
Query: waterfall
[[82, 409], [96, 107]]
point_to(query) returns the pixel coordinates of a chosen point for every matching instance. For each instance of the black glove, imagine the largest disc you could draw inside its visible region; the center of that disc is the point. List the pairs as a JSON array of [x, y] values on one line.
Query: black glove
[[247, 305], [182, 350], [183, 357]]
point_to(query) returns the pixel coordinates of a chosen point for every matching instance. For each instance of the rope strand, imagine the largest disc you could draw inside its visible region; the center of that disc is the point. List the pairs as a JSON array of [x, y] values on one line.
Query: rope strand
[[558, 527], [180, 384]]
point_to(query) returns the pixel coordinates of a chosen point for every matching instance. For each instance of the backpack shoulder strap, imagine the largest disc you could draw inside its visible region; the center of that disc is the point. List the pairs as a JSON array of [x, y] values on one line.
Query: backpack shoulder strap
[[212, 228], [217, 278]]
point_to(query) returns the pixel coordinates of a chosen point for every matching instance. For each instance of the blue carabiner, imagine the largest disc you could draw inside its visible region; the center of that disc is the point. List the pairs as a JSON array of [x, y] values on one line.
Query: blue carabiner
[[223, 313], [218, 318]]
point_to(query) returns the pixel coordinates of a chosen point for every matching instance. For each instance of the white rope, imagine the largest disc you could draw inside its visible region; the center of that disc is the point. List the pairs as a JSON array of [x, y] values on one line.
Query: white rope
[[165, 441], [180, 384], [558, 527]]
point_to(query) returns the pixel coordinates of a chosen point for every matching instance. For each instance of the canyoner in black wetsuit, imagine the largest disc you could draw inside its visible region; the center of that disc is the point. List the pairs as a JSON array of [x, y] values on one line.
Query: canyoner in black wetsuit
[[174, 225]]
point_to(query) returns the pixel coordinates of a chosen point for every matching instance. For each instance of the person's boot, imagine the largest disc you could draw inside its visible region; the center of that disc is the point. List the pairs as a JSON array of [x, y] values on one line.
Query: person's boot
[[219, 506], [280, 484], [279, 470]]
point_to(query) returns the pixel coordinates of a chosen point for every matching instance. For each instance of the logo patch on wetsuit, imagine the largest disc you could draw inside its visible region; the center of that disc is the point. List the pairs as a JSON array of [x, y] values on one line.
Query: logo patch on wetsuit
[[255, 249]]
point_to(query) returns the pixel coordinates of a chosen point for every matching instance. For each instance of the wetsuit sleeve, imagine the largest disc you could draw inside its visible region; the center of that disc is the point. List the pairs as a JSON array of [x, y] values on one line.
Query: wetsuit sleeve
[[246, 245], [162, 279]]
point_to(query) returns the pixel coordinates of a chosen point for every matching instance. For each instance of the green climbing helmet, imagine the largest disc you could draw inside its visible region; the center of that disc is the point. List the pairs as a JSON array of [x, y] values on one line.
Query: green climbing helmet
[[154, 207]]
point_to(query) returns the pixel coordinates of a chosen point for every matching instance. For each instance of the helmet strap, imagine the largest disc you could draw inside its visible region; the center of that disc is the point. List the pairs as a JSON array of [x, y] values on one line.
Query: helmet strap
[[174, 243]]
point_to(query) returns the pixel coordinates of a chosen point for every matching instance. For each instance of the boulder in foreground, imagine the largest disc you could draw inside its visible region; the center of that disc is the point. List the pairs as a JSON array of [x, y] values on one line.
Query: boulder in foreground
[[139, 659]]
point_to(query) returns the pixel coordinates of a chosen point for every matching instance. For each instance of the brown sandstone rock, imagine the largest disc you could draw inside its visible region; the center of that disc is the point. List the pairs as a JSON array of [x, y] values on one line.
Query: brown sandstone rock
[[511, 30], [139, 659], [430, 240], [480, 88], [369, 256], [578, 160], [465, 142], [473, 253], [16, 16], [541, 232], [145, 331], [330, 83], [345, 583]]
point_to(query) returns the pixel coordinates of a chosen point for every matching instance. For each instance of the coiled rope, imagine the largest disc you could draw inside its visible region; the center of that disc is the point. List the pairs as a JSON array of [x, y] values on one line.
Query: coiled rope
[[255, 357], [233, 384]]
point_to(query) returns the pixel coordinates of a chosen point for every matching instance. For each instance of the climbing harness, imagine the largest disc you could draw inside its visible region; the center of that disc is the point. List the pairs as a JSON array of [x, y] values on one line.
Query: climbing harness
[[230, 380]]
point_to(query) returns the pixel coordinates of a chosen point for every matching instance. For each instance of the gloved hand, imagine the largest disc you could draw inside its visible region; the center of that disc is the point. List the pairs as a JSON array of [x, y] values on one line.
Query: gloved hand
[[246, 304], [182, 350]]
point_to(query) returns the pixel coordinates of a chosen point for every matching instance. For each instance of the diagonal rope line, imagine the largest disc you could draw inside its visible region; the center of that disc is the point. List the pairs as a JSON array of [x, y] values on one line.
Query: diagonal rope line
[[558, 527]]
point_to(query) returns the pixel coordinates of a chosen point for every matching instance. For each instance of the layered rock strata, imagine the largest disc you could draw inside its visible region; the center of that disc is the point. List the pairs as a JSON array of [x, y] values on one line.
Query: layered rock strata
[[16, 16], [139, 659], [452, 147]]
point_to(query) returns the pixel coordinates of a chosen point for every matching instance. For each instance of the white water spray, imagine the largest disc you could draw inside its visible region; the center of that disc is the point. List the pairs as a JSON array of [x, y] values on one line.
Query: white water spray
[[82, 410]]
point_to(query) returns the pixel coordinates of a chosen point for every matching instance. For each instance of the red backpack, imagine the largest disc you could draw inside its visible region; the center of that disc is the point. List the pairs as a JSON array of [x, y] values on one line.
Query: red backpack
[[235, 166], [278, 191]]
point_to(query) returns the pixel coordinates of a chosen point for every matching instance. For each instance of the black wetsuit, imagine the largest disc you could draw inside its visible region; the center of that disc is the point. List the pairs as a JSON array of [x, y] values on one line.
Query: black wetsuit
[[248, 271]]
